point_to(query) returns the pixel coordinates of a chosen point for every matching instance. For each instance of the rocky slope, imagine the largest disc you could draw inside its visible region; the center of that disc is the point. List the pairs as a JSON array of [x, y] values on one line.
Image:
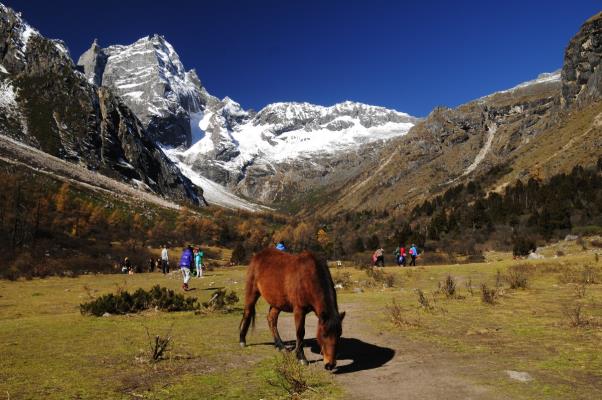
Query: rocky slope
[[537, 129], [150, 78], [47, 104]]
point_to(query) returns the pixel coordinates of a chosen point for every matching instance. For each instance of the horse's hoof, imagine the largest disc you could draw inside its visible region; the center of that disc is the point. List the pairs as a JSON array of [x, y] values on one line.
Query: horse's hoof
[[303, 362], [242, 344]]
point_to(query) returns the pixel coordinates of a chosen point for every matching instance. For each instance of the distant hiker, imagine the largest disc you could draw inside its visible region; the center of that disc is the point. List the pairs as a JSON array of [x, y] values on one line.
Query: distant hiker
[[198, 262], [164, 260], [151, 264], [402, 255], [397, 255], [126, 266], [413, 254], [280, 246], [378, 257], [186, 263]]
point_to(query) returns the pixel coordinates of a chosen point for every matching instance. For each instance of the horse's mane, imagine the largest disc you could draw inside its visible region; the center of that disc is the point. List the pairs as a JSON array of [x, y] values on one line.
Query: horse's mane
[[330, 316]]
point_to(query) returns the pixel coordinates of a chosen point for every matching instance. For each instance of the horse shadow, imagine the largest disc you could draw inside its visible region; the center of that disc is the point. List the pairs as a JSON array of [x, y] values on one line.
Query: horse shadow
[[363, 355]]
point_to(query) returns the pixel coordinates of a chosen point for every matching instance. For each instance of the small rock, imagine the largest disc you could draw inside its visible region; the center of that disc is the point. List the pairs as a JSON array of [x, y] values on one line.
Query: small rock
[[338, 286], [571, 237], [358, 290], [519, 376], [106, 314], [535, 256]]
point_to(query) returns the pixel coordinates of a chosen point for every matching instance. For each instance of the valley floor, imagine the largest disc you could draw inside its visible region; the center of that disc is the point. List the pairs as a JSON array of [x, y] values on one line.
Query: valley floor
[[521, 347]]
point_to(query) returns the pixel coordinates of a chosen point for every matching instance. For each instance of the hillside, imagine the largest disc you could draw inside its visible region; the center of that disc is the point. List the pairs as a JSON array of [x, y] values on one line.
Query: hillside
[[535, 130], [47, 104]]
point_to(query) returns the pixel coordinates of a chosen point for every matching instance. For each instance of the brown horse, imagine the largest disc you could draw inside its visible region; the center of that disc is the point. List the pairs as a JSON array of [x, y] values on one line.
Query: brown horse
[[298, 284]]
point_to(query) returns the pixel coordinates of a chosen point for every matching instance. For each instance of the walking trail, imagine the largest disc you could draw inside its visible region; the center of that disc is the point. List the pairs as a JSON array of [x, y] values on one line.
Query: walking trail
[[384, 365]]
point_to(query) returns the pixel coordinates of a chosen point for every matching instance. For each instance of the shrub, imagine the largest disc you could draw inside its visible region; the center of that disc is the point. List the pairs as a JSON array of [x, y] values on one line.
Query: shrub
[[596, 243], [158, 346], [517, 276], [424, 301], [239, 255], [221, 301], [588, 230], [560, 253], [125, 303], [469, 287], [295, 378], [380, 277], [523, 245], [398, 317], [575, 315], [488, 295], [343, 279], [449, 287]]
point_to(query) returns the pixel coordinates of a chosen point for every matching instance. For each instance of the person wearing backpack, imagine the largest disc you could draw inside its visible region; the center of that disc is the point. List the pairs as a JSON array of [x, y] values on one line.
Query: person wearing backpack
[[186, 263], [379, 257], [413, 254], [397, 255], [402, 255]]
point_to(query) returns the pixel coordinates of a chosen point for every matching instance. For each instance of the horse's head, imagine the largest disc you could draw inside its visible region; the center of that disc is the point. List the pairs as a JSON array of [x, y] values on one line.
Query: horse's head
[[330, 329]]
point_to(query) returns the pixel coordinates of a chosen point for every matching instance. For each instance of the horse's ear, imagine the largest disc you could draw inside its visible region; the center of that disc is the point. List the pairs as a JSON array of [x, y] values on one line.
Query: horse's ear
[[342, 316]]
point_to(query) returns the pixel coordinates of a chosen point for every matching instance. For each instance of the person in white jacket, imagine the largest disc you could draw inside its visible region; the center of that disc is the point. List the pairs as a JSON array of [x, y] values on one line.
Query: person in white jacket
[[164, 260]]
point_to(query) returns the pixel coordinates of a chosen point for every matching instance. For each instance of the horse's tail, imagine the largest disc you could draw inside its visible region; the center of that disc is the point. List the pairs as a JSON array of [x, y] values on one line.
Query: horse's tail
[[251, 295]]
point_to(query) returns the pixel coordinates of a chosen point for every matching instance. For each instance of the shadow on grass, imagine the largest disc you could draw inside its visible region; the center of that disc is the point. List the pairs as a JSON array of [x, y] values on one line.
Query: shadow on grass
[[363, 356]]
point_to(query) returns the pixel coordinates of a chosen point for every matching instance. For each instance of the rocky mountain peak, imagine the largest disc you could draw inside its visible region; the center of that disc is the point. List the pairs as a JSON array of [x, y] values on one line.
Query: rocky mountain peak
[[581, 72], [150, 78]]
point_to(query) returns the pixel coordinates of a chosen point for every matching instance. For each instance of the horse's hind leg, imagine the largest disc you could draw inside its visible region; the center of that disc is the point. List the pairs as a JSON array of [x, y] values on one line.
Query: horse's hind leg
[[300, 325], [248, 315], [273, 324]]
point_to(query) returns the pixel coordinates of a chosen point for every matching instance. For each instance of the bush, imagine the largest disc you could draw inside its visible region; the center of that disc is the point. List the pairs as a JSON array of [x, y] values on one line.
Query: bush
[[424, 301], [125, 303], [488, 295], [295, 378], [398, 318], [588, 230], [343, 279], [575, 315], [517, 276], [449, 287], [523, 245], [380, 277], [596, 243], [239, 255], [221, 301]]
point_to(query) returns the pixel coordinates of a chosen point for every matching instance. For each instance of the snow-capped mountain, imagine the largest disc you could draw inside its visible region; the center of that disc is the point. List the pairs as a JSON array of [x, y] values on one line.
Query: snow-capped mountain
[[149, 76], [219, 140], [232, 140]]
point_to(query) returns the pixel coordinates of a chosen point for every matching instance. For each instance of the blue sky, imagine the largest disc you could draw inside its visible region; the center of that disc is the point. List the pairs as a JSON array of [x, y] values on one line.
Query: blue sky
[[411, 57]]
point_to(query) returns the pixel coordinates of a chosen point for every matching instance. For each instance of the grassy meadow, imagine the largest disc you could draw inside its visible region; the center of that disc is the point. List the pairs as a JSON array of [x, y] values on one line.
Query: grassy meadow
[[551, 329]]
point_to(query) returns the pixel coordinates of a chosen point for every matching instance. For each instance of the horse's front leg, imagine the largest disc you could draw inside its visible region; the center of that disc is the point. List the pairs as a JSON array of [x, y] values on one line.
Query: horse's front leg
[[300, 325], [273, 324]]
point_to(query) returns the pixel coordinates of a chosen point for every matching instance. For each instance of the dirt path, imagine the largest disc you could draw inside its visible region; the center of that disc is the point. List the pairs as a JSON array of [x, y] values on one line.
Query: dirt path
[[375, 365]]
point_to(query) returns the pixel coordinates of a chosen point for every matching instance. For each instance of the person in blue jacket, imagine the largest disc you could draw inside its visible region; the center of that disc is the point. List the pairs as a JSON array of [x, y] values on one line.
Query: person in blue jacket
[[186, 264], [413, 254]]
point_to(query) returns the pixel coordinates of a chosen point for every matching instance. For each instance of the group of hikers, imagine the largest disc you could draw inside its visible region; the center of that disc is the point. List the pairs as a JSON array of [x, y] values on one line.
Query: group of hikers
[[400, 254], [191, 262]]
